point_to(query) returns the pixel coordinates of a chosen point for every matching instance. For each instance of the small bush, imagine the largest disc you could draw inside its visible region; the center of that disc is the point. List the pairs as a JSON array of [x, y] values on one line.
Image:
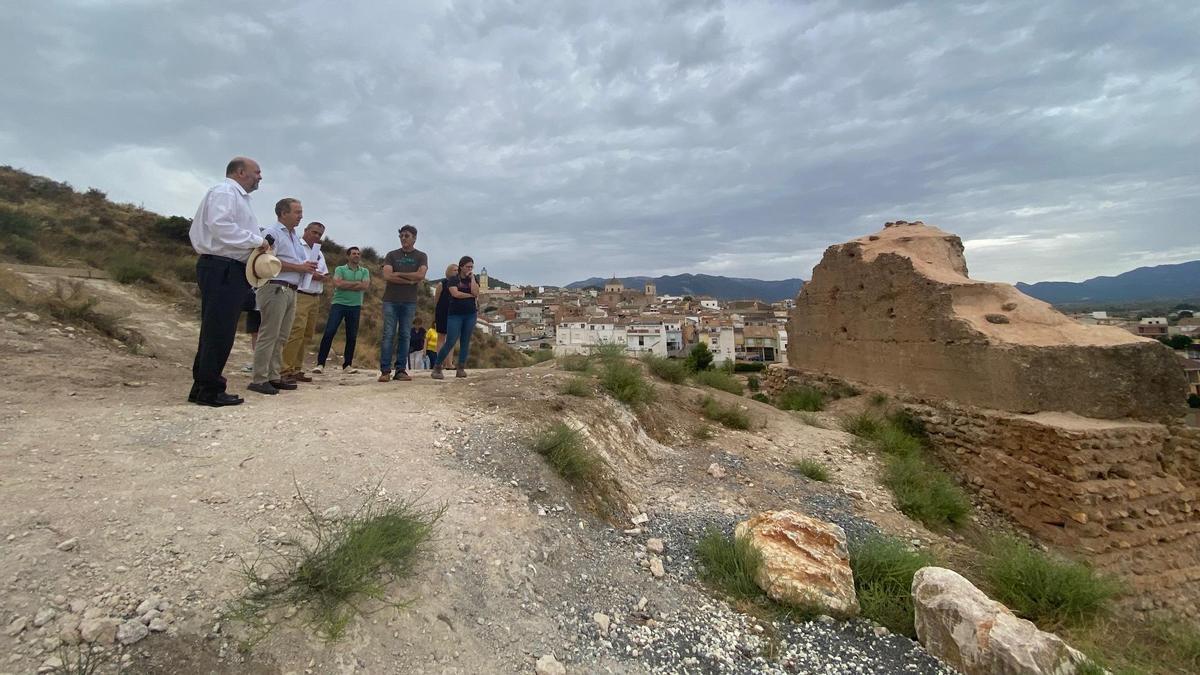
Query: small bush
[[926, 493], [729, 564], [863, 425], [608, 351], [703, 432], [699, 358], [811, 469], [878, 399], [127, 268], [809, 418], [749, 367], [909, 424], [540, 356], [624, 381], [883, 572], [892, 441], [1053, 593], [24, 250], [574, 362], [577, 386], [752, 383], [565, 451], [175, 228], [728, 415], [341, 563], [14, 222], [800, 398], [670, 370], [761, 398], [719, 379]]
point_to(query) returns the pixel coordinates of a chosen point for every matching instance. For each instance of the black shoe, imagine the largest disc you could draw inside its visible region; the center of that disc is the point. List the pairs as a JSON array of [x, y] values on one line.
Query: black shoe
[[219, 400], [263, 387], [284, 384]]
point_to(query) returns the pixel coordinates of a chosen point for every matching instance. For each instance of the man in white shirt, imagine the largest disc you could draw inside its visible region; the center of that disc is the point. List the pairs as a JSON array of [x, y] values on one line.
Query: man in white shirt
[[308, 301], [277, 299], [224, 233]]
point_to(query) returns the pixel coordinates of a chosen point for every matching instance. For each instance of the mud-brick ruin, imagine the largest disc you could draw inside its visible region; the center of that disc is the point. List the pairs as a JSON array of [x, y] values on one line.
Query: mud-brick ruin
[[1075, 431]]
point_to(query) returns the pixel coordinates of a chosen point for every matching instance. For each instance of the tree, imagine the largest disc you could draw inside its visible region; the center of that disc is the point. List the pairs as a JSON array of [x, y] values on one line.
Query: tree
[[700, 358], [1177, 341]]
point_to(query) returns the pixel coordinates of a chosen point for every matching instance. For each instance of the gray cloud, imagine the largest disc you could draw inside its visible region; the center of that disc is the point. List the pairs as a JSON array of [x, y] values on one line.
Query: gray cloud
[[555, 141]]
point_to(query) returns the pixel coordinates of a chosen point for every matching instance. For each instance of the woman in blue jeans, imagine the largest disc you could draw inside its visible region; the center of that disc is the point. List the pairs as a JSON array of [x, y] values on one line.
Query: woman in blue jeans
[[460, 316]]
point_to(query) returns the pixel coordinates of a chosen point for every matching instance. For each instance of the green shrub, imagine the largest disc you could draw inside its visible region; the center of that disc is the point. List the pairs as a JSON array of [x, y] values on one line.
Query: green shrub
[[703, 432], [864, 425], [574, 362], [128, 268], [15, 223], [184, 269], [175, 228], [344, 562], [800, 398], [577, 386], [892, 441], [23, 250], [924, 492], [729, 564], [811, 469], [909, 424], [540, 356], [728, 415], [809, 418], [670, 370], [753, 383], [719, 379], [699, 358], [883, 572], [565, 451], [761, 398], [624, 381], [878, 399], [749, 367], [608, 351], [1052, 592]]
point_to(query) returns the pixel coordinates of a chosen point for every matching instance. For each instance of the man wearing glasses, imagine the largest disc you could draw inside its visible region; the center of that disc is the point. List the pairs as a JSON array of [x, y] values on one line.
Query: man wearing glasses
[[403, 270]]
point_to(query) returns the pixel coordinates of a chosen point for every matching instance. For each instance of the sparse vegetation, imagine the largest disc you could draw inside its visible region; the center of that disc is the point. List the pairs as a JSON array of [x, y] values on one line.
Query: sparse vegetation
[[699, 358], [719, 379], [540, 356], [883, 572], [578, 363], [728, 415], [77, 659], [729, 565], [1052, 592], [811, 469], [809, 418], [339, 564], [922, 490], [762, 398], [127, 268], [752, 383], [703, 432], [800, 398], [749, 367], [879, 399], [577, 386], [565, 451], [669, 370], [625, 382], [609, 351]]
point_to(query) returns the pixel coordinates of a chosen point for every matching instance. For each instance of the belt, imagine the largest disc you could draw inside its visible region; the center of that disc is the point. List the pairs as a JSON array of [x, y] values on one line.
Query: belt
[[209, 256], [306, 292], [283, 283]]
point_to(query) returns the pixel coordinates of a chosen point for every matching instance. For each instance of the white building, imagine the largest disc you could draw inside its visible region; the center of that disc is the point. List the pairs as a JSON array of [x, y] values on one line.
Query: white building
[[720, 342], [641, 338], [579, 336], [710, 304]]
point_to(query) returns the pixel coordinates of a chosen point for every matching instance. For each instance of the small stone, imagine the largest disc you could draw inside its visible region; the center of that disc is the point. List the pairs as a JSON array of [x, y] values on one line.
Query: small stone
[[131, 632], [44, 616], [656, 567], [716, 470], [548, 665], [158, 625], [996, 318], [18, 624], [882, 631], [146, 605], [640, 519], [655, 545], [1008, 306], [99, 630], [68, 545], [602, 622], [1080, 517]]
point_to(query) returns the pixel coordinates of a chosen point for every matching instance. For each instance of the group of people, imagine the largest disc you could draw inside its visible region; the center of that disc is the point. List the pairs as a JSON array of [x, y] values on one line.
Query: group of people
[[278, 275]]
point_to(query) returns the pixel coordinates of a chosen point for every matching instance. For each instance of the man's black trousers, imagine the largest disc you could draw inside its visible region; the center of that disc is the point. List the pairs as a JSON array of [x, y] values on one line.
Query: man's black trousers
[[223, 289]]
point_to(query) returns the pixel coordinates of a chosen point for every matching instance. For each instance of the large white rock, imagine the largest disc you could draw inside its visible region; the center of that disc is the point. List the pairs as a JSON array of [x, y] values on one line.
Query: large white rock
[[962, 626], [805, 561]]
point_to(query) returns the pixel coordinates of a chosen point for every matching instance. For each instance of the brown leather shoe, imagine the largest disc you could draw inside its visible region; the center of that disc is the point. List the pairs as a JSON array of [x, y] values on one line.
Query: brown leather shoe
[[462, 372], [384, 377], [436, 373], [284, 384], [402, 376], [301, 377]]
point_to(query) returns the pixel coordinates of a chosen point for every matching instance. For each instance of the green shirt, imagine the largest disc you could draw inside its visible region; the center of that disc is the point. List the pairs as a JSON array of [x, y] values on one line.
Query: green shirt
[[342, 296]]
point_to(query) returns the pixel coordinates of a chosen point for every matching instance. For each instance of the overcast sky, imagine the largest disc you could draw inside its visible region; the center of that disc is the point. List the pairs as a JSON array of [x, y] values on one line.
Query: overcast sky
[[556, 140]]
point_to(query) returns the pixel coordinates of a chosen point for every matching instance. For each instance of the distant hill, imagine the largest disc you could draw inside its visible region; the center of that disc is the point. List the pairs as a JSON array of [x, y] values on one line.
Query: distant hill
[[1162, 282], [721, 288]]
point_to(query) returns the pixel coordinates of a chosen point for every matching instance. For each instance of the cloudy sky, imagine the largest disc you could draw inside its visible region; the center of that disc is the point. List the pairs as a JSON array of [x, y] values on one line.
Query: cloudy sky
[[556, 140]]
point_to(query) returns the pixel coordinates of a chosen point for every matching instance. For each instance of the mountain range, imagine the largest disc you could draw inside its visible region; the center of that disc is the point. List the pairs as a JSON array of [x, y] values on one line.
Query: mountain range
[[1161, 282], [721, 288]]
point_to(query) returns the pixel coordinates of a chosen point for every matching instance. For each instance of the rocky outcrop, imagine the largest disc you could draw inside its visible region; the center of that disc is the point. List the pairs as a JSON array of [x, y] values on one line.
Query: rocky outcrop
[[960, 625], [896, 310], [805, 561]]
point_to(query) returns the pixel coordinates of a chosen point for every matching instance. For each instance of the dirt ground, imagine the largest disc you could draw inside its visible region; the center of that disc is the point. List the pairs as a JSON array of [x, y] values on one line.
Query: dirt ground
[[117, 497]]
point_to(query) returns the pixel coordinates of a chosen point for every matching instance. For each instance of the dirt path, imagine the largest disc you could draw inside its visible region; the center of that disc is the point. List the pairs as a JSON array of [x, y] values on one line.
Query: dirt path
[[119, 498]]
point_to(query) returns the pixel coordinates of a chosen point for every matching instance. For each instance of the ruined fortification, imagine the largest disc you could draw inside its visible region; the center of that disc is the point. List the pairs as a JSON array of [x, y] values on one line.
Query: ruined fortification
[[1073, 430]]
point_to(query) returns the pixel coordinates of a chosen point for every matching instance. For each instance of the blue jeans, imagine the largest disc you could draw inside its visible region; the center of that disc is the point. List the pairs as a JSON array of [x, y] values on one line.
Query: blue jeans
[[338, 313], [397, 316], [458, 329]]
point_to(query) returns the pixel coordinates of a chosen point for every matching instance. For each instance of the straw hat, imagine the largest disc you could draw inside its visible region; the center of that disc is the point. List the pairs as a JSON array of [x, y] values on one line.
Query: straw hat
[[261, 268]]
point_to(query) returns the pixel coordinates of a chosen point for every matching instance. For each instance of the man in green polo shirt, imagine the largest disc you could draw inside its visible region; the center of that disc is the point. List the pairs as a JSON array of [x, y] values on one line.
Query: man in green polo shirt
[[349, 283]]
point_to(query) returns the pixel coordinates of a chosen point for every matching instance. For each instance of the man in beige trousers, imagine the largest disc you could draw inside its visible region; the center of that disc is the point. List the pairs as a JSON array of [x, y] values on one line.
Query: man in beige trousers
[[308, 301], [277, 299]]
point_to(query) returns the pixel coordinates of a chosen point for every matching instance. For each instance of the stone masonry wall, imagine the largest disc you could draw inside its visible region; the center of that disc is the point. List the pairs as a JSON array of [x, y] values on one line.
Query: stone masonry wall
[[1124, 495]]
